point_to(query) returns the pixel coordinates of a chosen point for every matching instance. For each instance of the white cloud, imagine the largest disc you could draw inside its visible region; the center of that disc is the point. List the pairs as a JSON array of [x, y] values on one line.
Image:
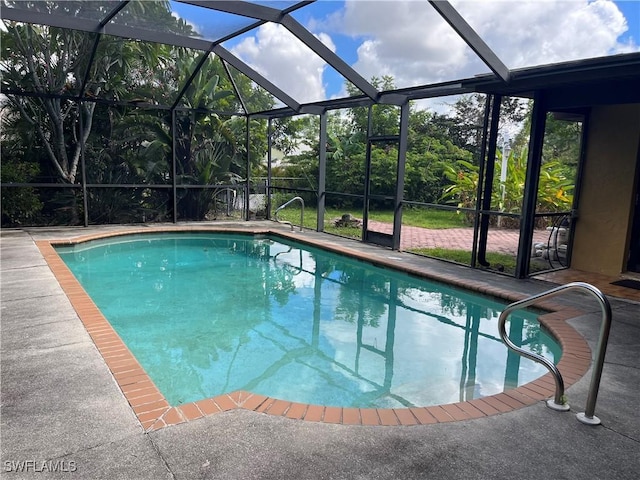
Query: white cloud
[[527, 33], [284, 60], [410, 41], [407, 40]]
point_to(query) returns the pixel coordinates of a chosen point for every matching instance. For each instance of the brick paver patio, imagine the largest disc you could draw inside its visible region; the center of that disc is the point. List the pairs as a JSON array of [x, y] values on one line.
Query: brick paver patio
[[499, 240]]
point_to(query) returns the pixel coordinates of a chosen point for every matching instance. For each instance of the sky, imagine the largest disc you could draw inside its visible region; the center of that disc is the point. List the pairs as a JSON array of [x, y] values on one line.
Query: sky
[[409, 41]]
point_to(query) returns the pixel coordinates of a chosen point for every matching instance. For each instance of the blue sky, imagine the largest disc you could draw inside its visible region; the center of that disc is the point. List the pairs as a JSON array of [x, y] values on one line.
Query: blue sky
[[409, 41], [631, 10]]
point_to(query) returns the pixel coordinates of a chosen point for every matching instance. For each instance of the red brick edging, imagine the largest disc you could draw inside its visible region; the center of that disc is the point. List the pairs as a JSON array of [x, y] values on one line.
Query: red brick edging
[[154, 412]]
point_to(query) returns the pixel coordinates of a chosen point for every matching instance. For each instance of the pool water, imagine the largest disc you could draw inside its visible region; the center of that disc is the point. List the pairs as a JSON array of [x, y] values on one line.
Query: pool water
[[213, 313]]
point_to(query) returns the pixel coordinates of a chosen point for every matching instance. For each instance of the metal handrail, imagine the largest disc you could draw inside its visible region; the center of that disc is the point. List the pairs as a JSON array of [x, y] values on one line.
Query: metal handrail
[[275, 215], [559, 403], [227, 190]]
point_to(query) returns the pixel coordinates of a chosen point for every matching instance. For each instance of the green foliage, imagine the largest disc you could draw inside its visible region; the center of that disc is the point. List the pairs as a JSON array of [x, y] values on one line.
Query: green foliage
[[427, 148], [287, 133], [385, 118], [51, 60], [19, 164], [205, 152], [556, 186], [503, 262], [32, 61], [562, 139], [20, 205], [463, 178], [555, 189], [209, 149], [131, 145], [127, 145], [463, 125]]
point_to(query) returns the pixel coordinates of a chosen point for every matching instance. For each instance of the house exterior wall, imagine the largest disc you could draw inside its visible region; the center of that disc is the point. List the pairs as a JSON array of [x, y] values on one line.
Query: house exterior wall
[[606, 200]]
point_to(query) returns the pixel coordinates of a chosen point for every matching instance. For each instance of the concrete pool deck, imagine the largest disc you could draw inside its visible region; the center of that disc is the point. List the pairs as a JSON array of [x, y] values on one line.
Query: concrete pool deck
[[62, 408]]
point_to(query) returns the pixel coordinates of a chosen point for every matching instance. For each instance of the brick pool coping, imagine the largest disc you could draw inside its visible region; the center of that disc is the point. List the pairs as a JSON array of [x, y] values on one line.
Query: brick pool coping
[[154, 412]]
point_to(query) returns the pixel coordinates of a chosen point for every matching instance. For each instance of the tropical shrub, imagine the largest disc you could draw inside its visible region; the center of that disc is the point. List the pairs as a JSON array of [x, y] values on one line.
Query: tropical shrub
[[555, 188]]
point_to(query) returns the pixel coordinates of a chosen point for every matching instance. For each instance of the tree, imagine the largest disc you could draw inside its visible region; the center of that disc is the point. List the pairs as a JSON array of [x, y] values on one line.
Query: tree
[[385, 118], [562, 139], [52, 67], [463, 124], [53, 63], [32, 61], [428, 146], [209, 148]]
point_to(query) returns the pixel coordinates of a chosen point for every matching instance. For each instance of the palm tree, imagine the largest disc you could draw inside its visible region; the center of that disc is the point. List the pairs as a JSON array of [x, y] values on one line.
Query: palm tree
[[207, 150]]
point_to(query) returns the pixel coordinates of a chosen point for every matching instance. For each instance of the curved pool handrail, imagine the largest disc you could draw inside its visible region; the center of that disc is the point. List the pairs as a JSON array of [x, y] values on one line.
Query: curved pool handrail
[[559, 402], [275, 215], [227, 190]]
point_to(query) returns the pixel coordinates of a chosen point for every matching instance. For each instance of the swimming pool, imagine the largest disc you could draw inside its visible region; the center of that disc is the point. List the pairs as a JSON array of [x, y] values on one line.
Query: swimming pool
[[288, 321]]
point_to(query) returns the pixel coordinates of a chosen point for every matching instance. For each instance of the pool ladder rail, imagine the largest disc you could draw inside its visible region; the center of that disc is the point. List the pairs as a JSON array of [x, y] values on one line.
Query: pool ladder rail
[[275, 215], [559, 402], [228, 203]]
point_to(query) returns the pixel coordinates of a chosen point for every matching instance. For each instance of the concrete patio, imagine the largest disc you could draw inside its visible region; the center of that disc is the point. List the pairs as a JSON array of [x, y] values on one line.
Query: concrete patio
[[63, 414]]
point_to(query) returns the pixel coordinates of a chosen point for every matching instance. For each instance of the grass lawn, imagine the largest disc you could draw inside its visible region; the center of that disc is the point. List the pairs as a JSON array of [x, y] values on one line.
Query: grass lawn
[[498, 261], [426, 218]]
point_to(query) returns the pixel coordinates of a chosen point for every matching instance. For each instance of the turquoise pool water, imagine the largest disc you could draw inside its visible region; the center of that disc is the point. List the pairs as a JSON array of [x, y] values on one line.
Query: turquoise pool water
[[211, 313]]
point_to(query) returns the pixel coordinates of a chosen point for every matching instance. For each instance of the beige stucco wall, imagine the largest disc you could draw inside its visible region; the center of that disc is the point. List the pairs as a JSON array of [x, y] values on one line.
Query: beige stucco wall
[[604, 225]]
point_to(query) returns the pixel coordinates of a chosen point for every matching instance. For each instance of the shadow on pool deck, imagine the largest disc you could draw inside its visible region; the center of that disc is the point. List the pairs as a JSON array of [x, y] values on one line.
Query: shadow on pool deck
[[63, 414]]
